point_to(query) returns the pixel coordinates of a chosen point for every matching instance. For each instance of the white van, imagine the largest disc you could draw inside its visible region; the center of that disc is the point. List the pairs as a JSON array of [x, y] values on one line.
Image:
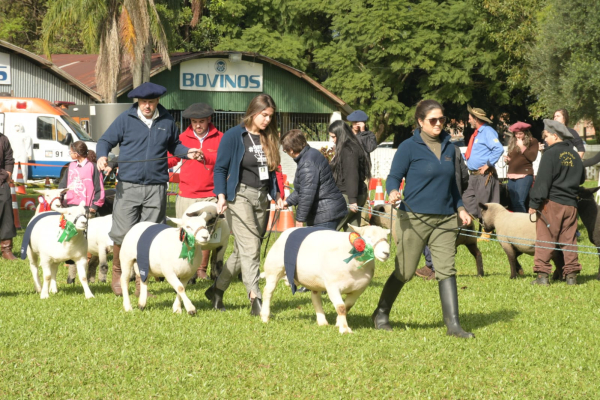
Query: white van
[[51, 130]]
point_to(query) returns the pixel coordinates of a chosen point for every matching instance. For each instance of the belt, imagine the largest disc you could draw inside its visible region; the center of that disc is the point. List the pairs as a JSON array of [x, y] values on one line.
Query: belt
[[474, 172]]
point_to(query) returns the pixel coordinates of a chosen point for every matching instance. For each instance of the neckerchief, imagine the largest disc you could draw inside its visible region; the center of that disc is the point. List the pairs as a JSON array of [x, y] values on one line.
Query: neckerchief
[[188, 245], [69, 230], [471, 141]]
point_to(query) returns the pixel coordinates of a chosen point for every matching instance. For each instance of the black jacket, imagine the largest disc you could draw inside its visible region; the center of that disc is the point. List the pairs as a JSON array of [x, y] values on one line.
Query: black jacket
[[349, 176], [559, 176], [316, 195], [368, 141], [461, 171]]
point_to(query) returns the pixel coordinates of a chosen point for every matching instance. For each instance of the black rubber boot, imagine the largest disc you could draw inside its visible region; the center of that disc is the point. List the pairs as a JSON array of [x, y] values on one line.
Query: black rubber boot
[[256, 306], [215, 296], [381, 315], [449, 299], [542, 279]]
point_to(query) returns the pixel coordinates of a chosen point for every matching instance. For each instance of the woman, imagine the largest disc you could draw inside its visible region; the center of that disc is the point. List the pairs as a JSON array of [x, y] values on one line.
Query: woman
[[317, 199], [84, 183], [245, 173], [562, 116], [427, 215], [522, 152], [350, 167]]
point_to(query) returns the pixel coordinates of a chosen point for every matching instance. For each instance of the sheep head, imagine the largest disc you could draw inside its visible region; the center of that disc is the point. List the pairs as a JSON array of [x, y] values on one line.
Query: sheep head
[[489, 213], [376, 237], [200, 219], [52, 195], [76, 215]]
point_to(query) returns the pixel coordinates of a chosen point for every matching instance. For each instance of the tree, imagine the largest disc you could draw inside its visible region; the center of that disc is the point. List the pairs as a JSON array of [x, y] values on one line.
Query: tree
[[117, 30], [566, 59]]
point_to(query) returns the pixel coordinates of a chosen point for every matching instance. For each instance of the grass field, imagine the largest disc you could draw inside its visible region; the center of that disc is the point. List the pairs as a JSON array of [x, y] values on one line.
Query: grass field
[[532, 342]]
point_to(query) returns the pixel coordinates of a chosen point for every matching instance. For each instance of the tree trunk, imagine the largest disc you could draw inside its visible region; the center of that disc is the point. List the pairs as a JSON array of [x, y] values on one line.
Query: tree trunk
[[147, 62]]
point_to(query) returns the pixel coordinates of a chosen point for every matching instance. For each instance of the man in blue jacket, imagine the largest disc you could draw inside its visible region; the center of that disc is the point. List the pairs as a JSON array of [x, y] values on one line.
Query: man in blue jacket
[[144, 133]]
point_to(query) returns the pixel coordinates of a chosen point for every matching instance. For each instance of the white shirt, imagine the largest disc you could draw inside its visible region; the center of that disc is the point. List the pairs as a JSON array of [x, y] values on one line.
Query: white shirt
[[147, 121]]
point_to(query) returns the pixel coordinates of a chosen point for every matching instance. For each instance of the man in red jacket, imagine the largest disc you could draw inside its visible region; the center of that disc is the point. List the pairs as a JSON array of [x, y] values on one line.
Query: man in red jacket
[[196, 176]]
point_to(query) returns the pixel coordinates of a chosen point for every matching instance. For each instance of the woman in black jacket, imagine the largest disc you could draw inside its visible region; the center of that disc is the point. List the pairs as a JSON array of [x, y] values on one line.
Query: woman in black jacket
[[317, 199], [351, 168]]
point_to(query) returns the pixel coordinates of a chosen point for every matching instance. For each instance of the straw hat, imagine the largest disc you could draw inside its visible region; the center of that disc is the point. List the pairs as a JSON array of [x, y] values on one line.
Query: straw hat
[[478, 113]]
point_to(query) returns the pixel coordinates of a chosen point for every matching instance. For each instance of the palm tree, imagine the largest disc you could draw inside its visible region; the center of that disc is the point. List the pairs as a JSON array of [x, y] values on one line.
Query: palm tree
[[119, 30]]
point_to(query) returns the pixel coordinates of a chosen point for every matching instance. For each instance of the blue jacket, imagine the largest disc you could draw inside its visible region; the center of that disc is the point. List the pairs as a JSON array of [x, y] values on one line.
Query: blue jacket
[[227, 169], [316, 196], [430, 183], [137, 142], [487, 149]]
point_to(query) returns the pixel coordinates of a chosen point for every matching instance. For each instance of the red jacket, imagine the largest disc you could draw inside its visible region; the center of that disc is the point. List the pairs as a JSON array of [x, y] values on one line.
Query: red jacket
[[195, 180]]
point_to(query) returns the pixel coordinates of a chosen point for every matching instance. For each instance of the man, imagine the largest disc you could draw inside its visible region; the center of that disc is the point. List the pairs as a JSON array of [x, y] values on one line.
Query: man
[[7, 223], [483, 152], [366, 138], [144, 132], [554, 199], [196, 177]]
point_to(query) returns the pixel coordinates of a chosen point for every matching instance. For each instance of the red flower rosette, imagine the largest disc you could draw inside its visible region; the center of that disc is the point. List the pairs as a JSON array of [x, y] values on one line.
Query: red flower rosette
[[357, 242], [63, 222]]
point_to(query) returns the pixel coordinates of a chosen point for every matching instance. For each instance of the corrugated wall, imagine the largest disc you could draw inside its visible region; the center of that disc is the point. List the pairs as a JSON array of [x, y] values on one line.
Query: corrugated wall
[[291, 94], [30, 80]]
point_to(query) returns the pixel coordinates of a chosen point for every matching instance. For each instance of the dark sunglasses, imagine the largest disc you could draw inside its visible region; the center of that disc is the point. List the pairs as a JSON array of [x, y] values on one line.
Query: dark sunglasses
[[434, 121]]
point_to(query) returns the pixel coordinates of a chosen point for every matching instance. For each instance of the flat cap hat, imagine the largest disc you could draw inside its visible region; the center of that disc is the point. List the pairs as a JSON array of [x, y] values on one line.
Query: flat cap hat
[[358, 116], [147, 90], [478, 113], [519, 127], [558, 128], [198, 110]]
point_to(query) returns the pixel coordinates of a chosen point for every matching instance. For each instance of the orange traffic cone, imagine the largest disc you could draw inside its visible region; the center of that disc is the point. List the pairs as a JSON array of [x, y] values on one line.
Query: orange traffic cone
[[286, 220], [271, 216], [27, 203], [379, 194], [15, 207], [47, 184], [20, 182], [372, 184]]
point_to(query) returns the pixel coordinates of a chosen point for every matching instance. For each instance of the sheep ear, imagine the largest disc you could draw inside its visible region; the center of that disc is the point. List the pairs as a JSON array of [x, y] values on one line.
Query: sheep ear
[[483, 206], [594, 190], [176, 221], [356, 229], [193, 214], [59, 209]]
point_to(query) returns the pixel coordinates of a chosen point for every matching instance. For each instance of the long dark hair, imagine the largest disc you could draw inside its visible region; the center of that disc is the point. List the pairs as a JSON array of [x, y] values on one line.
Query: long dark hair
[[81, 149], [344, 138], [269, 138]]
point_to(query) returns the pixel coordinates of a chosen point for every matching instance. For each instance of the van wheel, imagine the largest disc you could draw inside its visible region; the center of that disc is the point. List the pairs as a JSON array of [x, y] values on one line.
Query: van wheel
[[63, 173]]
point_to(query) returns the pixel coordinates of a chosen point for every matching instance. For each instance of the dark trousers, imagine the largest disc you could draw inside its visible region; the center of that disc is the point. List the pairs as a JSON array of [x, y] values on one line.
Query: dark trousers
[[563, 225], [7, 222], [480, 192], [518, 190], [428, 260]]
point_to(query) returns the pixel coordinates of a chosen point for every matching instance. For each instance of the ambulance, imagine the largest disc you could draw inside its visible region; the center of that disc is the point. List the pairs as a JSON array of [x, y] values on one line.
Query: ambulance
[[51, 129]]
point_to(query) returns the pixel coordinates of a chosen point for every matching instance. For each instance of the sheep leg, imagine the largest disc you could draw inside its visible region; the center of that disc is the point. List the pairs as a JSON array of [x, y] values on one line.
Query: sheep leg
[[351, 299], [272, 280], [33, 266], [177, 304], [126, 268], [318, 304], [474, 250], [336, 298], [143, 299], [180, 290], [82, 273], [518, 264], [53, 272], [510, 253], [47, 273], [103, 264]]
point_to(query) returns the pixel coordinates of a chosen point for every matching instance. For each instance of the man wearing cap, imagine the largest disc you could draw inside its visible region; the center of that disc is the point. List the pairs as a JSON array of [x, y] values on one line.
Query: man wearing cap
[[366, 138], [196, 176], [554, 199], [483, 152], [144, 133]]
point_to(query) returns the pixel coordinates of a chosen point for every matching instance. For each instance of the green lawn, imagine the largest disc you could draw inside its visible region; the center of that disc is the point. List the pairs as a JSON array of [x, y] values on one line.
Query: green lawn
[[532, 342]]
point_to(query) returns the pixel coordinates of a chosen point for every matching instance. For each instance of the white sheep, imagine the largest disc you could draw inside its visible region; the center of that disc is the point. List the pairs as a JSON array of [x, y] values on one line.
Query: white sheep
[[198, 220], [52, 196], [44, 249], [321, 266]]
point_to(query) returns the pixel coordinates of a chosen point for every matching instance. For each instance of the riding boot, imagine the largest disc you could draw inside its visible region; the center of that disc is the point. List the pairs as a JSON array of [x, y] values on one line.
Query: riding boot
[[215, 296], [201, 273], [449, 299], [115, 282], [381, 315], [92, 266], [7, 253], [256, 304], [72, 272]]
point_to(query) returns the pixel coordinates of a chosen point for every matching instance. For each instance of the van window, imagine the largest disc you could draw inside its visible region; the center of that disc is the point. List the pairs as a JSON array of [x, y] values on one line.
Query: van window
[[45, 128], [62, 133]]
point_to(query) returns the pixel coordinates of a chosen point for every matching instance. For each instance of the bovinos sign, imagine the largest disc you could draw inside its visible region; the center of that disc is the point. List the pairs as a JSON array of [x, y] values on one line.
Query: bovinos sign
[[220, 75]]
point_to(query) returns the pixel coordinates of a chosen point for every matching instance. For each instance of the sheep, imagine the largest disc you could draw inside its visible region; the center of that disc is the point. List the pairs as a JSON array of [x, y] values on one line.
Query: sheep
[[50, 196], [516, 225], [99, 246], [44, 249], [321, 266], [469, 241], [588, 212], [164, 254]]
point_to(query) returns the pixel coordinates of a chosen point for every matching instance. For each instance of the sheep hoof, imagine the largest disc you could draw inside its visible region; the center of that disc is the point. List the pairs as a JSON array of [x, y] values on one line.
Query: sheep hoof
[[322, 321], [345, 329], [177, 311], [44, 296], [192, 312], [265, 318], [39, 289], [141, 307], [89, 296], [128, 309]]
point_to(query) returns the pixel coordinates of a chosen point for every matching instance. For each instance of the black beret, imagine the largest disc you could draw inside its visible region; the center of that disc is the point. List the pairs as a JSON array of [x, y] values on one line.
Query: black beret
[[198, 110], [147, 90], [558, 128], [358, 116]]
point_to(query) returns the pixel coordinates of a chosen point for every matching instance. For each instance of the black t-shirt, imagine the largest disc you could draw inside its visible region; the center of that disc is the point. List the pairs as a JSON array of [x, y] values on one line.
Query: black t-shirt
[[253, 158]]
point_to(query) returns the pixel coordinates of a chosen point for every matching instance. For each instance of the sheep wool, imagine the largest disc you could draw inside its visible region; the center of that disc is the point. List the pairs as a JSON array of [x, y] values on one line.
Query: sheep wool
[[143, 248], [29, 229]]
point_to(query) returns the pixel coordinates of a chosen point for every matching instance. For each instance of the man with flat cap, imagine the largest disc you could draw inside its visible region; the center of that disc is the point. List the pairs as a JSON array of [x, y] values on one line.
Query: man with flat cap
[[554, 199], [483, 152], [366, 138], [196, 176], [144, 133]]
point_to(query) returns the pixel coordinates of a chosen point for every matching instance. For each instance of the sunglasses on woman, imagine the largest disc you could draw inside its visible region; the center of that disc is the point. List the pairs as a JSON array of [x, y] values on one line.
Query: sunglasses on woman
[[434, 121]]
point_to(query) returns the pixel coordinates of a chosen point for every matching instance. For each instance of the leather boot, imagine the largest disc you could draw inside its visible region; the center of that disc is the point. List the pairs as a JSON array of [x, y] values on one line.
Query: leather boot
[[92, 266], [572, 279], [256, 304], [201, 273], [115, 282], [72, 272], [449, 299], [215, 296], [7, 253], [138, 282], [542, 279], [381, 315]]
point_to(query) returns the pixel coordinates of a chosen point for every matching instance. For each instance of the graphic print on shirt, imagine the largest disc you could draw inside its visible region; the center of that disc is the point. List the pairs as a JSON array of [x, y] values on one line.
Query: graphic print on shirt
[[566, 159], [77, 184], [258, 153]]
